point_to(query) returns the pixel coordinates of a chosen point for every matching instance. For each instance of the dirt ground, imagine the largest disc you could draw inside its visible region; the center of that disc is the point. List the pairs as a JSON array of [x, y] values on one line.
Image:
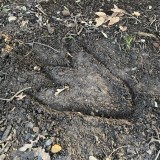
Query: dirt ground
[[73, 90]]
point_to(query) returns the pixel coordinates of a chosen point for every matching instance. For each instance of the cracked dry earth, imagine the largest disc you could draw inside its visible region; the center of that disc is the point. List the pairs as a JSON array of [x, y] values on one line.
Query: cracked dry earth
[[108, 95]]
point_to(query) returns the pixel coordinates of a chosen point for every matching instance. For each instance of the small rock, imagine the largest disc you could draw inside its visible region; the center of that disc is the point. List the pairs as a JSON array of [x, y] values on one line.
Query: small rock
[[27, 136], [48, 142], [66, 12], [30, 125], [37, 68], [2, 156], [155, 104], [150, 7], [35, 129], [50, 29], [12, 18]]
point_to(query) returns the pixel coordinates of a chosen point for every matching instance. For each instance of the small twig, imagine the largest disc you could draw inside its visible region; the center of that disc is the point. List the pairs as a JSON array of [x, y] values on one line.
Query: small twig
[[4, 147], [154, 140], [157, 155], [25, 56], [31, 44], [39, 7], [10, 99], [132, 17], [116, 150]]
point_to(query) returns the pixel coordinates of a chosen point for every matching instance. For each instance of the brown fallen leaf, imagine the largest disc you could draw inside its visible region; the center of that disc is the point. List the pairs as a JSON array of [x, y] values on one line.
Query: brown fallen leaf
[[123, 28], [117, 10], [101, 14], [137, 14], [7, 48], [61, 90], [113, 20], [7, 38], [99, 21], [20, 96], [56, 148]]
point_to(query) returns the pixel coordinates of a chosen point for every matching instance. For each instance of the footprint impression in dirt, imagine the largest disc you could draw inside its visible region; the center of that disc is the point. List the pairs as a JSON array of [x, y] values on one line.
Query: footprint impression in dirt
[[85, 85]]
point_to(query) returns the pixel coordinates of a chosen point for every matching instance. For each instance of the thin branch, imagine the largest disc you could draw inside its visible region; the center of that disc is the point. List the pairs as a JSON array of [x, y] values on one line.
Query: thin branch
[[132, 17], [116, 150], [10, 99], [31, 44], [157, 155]]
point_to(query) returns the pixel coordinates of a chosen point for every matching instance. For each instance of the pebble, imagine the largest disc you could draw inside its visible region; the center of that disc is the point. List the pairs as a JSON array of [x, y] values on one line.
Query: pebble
[[48, 142], [66, 13], [30, 125], [12, 18]]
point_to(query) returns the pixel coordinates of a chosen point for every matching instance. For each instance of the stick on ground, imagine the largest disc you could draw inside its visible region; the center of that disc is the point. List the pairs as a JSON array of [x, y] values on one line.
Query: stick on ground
[[10, 99]]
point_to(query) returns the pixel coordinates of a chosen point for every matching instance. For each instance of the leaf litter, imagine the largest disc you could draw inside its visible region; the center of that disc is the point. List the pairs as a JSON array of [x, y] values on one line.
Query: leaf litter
[[114, 18]]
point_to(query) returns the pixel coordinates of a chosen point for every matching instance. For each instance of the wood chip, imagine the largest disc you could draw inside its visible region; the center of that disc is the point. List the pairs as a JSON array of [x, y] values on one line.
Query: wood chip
[[61, 90]]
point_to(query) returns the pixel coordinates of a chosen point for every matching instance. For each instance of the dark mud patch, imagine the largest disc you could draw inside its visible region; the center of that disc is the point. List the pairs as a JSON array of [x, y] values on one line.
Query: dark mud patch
[[109, 94]]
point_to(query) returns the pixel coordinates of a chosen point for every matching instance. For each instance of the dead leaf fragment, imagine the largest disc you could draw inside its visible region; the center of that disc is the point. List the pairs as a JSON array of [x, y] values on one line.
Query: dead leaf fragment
[[20, 96], [35, 129], [123, 28], [117, 10], [137, 14], [113, 20], [101, 14], [7, 48], [156, 45], [56, 148], [24, 23], [61, 90], [99, 21], [7, 38]]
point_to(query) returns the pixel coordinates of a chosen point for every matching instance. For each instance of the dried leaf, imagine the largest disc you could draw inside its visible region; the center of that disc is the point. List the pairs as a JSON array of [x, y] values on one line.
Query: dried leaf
[[7, 38], [8, 48], [56, 148], [35, 129], [101, 14], [61, 90], [24, 23], [137, 14], [113, 20], [117, 10], [99, 21], [20, 96], [123, 28]]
